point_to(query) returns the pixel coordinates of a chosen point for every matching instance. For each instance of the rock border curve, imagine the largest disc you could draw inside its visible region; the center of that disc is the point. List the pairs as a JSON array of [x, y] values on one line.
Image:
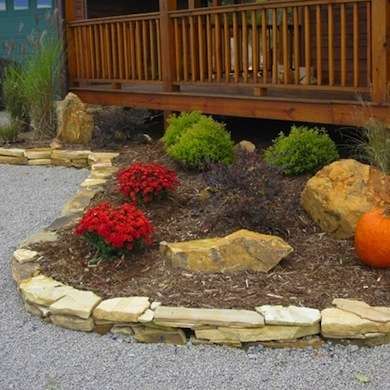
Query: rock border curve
[[151, 322]]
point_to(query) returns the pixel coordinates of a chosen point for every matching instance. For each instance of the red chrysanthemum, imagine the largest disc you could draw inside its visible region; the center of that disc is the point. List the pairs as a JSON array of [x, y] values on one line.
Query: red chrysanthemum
[[115, 229], [146, 182]]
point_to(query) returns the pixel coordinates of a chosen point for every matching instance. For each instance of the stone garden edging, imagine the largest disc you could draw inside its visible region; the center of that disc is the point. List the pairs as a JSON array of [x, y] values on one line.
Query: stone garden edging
[[151, 322]]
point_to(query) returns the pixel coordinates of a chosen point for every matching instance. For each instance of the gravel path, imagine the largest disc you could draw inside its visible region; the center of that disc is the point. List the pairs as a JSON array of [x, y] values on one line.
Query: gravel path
[[35, 355]]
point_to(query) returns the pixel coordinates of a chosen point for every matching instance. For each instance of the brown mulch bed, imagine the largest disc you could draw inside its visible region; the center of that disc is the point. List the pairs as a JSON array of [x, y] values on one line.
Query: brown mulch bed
[[319, 270]]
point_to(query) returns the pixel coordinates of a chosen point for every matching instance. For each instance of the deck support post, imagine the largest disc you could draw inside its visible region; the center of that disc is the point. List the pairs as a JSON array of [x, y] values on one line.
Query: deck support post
[[380, 50], [167, 44], [167, 49]]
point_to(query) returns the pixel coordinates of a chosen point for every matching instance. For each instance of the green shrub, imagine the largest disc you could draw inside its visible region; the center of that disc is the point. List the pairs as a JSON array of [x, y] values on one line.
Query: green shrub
[[14, 95], [303, 150], [9, 133], [178, 125], [204, 143]]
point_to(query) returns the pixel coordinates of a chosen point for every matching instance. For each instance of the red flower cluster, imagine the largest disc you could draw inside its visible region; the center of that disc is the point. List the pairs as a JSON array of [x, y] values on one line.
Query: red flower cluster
[[118, 228], [146, 181]]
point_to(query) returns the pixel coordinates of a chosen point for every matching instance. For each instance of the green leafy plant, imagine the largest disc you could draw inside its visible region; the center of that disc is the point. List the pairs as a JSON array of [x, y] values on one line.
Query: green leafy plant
[[206, 142], [14, 95], [178, 125], [303, 150], [9, 133]]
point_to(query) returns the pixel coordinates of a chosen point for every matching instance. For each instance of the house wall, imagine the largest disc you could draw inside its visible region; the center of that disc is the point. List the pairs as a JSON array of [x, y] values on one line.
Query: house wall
[[17, 24]]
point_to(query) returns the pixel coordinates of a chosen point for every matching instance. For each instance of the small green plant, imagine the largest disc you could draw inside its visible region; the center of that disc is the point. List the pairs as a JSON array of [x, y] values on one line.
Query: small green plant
[[14, 95], [206, 142], [178, 125], [303, 150], [9, 133]]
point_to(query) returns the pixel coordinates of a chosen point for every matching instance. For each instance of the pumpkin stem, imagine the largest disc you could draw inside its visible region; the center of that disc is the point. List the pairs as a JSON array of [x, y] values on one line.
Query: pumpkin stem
[[387, 210]]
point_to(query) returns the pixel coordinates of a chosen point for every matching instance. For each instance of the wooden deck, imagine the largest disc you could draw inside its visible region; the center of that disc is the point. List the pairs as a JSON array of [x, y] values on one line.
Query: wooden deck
[[325, 61]]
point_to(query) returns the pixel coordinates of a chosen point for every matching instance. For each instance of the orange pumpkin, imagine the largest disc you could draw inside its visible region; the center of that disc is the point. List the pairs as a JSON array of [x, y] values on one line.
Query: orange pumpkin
[[372, 239]]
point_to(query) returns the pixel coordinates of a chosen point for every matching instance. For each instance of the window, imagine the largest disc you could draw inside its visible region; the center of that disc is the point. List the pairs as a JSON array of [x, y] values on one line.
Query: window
[[44, 3], [21, 4], [2, 5]]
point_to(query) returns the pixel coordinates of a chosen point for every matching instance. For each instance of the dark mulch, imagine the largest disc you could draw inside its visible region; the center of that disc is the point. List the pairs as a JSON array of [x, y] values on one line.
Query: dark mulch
[[319, 270]]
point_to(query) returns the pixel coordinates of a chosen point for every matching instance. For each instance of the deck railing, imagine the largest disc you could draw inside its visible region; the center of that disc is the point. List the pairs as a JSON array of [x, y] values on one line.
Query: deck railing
[[325, 45], [119, 50]]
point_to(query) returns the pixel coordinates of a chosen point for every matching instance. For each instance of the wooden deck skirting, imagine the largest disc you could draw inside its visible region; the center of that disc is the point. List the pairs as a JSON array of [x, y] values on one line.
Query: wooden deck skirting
[[349, 113], [319, 55]]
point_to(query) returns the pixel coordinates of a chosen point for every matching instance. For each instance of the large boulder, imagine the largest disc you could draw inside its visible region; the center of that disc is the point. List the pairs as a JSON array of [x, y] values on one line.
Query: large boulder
[[337, 196], [75, 123], [240, 251]]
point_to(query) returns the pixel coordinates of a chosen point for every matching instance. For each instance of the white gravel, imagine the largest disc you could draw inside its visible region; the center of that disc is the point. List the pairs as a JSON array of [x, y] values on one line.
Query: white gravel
[[36, 355]]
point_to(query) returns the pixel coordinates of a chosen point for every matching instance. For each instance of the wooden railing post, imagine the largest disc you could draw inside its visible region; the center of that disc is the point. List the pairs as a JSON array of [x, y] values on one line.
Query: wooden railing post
[[380, 50], [167, 44]]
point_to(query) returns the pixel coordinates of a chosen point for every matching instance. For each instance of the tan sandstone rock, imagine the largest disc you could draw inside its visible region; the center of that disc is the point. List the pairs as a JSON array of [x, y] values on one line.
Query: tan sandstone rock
[[39, 162], [43, 236], [73, 323], [13, 152], [91, 182], [76, 303], [242, 250], [245, 146], [79, 202], [337, 323], [24, 271], [363, 310], [337, 196], [266, 333], [121, 309], [42, 290], [13, 160], [75, 123], [180, 317], [145, 334], [291, 315], [38, 153], [25, 256]]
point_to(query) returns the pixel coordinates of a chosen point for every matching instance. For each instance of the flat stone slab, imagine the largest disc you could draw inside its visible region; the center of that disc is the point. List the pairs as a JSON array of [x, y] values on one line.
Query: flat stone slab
[[121, 309], [13, 152], [91, 182], [102, 157], [70, 154], [38, 154], [266, 333], [25, 256], [76, 303], [240, 251], [24, 271], [43, 236], [180, 317], [43, 290], [147, 317], [39, 162], [145, 334], [362, 309], [73, 323], [79, 202], [291, 315], [13, 160], [337, 323]]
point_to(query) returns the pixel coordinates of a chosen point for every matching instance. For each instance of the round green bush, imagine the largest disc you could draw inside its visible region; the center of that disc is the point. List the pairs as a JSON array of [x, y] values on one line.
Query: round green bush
[[303, 150], [178, 125], [204, 143]]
